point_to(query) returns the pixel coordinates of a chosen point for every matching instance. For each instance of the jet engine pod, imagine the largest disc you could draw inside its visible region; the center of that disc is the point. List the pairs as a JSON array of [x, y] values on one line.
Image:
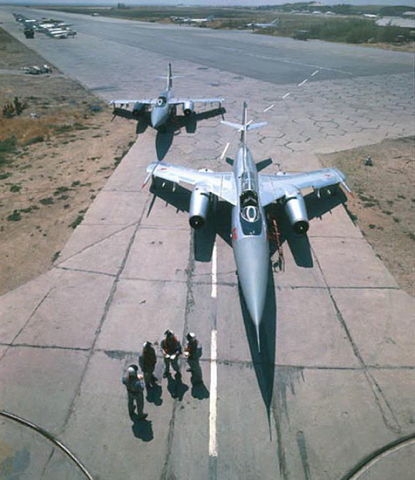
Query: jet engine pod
[[199, 205], [138, 107], [188, 108], [297, 213]]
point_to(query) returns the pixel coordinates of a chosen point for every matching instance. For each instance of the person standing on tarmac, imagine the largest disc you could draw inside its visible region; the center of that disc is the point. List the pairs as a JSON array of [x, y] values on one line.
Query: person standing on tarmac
[[193, 352], [135, 390], [147, 361], [171, 349]]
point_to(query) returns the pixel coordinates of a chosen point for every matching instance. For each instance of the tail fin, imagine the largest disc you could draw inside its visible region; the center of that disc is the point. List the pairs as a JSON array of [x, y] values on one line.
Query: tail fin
[[245, 125], [169, 78]]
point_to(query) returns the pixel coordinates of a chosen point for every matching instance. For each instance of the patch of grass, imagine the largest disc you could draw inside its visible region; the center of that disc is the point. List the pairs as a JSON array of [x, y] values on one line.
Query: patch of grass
[[15, 188], [63, 129], [61, 190], [29, 209], [47, 201], [7, 147], [14, 217], [37, 139], [77, 221]]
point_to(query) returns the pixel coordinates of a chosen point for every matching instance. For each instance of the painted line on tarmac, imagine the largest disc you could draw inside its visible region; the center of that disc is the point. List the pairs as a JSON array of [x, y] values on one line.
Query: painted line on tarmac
[[214, 291], [213, 452]]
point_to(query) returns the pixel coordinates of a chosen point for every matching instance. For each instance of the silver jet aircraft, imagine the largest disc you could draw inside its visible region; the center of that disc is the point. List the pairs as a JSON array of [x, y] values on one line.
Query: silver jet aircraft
[[249, 192], [165, 104], [273, 24]]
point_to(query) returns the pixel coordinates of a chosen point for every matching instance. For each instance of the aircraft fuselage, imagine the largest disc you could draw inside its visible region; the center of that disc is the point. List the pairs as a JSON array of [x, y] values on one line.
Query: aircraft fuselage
[[249, 236], [161, 110]]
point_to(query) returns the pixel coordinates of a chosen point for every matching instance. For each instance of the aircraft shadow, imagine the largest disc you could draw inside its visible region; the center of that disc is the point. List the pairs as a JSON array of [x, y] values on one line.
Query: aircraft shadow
[[316, 208], [165, 135], [263, 360], [164, 140], [218, 221]]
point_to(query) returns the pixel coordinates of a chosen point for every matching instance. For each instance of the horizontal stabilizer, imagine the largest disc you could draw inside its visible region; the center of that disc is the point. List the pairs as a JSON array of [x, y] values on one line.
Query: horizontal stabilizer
[[237, 126], [252, 126], [248, 126], [263, 164]]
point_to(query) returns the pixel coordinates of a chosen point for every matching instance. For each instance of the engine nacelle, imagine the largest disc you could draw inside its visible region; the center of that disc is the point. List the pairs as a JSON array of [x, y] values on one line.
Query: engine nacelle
[[297, 213], [188, 108], [199, 205], [138, 108]]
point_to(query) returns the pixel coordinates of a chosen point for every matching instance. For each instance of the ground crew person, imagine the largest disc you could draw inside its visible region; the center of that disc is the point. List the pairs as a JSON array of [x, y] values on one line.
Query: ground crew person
[[171, 349], [193, 352], [135, 388], [147, 361]]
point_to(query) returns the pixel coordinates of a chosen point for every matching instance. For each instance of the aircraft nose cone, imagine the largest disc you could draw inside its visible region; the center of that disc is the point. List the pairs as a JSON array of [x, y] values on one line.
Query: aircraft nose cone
[[157, 118], [252, 260], [254, 295]]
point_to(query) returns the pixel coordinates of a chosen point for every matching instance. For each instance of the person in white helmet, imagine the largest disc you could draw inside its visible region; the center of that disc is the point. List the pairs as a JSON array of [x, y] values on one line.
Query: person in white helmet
[[193, 352], [135, 390], [171, 349], [147, 361]]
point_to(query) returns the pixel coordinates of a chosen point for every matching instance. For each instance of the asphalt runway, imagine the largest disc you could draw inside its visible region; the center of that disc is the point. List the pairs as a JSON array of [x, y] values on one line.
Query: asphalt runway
[[331, 394]]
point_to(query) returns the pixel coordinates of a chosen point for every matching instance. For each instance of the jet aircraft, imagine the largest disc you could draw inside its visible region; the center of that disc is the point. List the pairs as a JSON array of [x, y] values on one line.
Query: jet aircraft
[[165, 104], [249, 192], [273, 24]]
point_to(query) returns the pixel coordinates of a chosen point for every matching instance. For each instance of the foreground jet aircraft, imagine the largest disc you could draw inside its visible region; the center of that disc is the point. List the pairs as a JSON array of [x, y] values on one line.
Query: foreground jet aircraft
[[249, 192], [165, 104]]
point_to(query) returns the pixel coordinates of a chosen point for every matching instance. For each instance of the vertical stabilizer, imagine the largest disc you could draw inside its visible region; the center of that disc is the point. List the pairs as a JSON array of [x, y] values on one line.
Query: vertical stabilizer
[[244, 123]]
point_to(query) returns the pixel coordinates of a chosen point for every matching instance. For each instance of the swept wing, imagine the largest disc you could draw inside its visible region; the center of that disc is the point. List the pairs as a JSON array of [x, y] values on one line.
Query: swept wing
[[221, 184], [181, 101], [274, 187], [143, 101]]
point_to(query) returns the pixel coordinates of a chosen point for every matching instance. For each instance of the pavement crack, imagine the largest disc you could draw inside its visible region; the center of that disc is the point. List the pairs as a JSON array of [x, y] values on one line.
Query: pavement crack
[[107, 306], [388, 415]]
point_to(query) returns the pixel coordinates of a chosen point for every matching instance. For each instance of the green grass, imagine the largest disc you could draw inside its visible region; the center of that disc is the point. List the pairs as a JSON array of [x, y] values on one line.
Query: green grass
[[7, 148]]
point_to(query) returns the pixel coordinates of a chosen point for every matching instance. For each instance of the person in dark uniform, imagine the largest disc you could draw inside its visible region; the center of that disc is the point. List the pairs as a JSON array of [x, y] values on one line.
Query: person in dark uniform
[[135, 390], [147, 361], [171, 349], [193, 352]]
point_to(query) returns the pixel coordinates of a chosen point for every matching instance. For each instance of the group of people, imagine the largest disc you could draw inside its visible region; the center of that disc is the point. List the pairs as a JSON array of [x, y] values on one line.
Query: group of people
[[135, 381]]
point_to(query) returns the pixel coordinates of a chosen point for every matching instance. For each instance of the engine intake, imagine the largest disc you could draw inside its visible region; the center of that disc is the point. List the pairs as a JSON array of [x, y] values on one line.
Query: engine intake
[[297, 213], [199, 205], [188, 108], [138, 108]]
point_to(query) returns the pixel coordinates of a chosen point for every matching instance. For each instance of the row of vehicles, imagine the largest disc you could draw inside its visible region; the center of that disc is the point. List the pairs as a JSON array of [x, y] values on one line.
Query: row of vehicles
[[49, 26]]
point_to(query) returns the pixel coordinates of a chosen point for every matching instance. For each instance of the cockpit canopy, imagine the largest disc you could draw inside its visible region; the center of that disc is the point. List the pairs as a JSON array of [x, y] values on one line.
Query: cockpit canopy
[[249, 198], [250, 213]]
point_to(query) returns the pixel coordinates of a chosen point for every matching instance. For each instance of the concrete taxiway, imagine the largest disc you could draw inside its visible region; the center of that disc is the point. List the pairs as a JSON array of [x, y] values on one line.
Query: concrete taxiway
[[331, 395]]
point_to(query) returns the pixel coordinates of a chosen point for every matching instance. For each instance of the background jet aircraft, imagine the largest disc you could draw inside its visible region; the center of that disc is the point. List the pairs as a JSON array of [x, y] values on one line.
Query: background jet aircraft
[[273, 24], [249, 192], [165, 104]]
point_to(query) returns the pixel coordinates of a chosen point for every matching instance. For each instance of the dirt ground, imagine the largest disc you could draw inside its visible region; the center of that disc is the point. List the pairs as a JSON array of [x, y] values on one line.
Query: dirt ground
[[58, 154], [54, 158], [383, 201]]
